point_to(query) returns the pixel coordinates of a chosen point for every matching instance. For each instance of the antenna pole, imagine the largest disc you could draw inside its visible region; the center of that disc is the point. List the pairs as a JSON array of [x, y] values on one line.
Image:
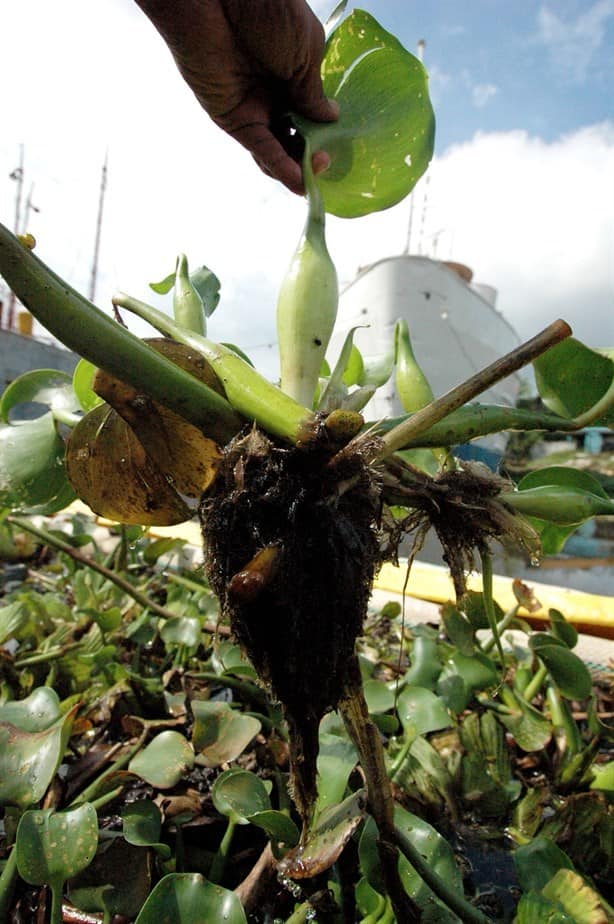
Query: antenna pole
[[16, 175], [103, 188]]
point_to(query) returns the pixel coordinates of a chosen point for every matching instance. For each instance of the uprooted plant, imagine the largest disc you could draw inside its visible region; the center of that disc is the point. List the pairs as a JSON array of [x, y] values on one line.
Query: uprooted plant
[[299, 500]]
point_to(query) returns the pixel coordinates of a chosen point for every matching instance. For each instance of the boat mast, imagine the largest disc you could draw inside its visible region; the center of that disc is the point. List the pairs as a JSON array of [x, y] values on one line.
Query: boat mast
[[16, 175], [103, 189]]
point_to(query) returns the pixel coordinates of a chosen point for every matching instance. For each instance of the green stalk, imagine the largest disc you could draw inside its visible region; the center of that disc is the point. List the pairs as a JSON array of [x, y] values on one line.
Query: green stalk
[[509, 617], [56, 902], [535, 684], [489, 606], [7, 883], [437, 410], [450, 897], [247, 391], [219, 861], [92, 334], [475, 420]]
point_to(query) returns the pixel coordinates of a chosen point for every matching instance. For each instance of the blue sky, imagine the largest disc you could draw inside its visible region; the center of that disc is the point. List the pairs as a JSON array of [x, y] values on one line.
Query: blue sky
[[521, 187], [546, 68]]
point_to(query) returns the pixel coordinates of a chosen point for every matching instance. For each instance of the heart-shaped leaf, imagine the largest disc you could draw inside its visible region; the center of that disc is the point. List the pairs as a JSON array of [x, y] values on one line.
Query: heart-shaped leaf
[[220, 733], [83, 385], [32, 474], [383, 140], [141, 824], [238, 794], [185, 898], [277, 826], [35, 713], [571, 378], [164, 761], [567, 671], [179, 449], [53, 846], [538, 861], [110, 470], [530, 727], [48, 387], [29, 760], [421, 711]]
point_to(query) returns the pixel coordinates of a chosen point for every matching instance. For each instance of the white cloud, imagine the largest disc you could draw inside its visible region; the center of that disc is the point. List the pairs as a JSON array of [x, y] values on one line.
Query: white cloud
[[482, 93], [573, 43]]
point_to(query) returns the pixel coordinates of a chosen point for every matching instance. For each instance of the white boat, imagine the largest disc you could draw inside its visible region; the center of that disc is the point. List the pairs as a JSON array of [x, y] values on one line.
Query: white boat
[[454, 325]]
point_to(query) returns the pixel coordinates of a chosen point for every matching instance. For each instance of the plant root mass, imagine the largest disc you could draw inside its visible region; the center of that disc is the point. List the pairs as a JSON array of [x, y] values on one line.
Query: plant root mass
[[292, 545]]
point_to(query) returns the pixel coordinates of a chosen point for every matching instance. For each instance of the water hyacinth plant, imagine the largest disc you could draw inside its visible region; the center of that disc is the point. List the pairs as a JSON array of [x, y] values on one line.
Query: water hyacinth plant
[[300, 500]]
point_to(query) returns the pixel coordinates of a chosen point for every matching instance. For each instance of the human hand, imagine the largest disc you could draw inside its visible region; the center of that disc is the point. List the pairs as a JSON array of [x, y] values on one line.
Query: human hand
[[249, 62]]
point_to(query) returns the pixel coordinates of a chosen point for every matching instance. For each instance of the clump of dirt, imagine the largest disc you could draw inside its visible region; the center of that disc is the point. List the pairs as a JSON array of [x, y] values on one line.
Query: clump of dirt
[[291, 543]]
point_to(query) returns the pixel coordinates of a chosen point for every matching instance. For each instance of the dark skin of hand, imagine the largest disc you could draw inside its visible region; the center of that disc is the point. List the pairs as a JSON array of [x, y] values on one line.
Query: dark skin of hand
[[248, 62]]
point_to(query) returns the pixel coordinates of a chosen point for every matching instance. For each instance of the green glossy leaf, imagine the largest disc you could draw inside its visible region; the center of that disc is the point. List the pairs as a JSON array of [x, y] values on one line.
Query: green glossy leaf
[[337, 757], [82, 382], [462, 676], [48, 387], [563, 630], [535, 908], [220, 733], [563, 476], [164, 761], [207, 285], [325, 842], [458, 629], [238, 794], [530, 727], [32, 474], [36, 713], [181, 631], [383, 140], [53, 846], [13, 618], [379, 696], [571, 378], [354, 367], [603, 777], [141, 824], [475, 611], [538, 861], [580, 901], [568, 672], [376, 370], [164, 286], [185, 898], [425, 666], [277, 826], [528, 814], [421, 711], [164, 546], [29, 760], [236, 349], [433, 847]]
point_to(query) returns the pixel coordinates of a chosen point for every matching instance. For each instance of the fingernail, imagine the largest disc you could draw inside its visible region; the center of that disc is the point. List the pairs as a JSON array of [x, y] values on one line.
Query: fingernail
[[334, 107], [323, 162]]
